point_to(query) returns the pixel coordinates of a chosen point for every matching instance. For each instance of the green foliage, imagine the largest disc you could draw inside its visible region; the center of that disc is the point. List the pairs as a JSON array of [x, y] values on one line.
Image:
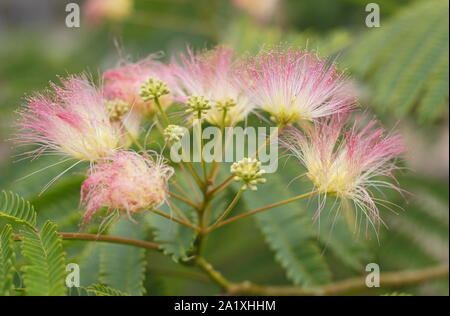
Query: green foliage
[[176, 240], [340, 240], [15, 208], [397, 294], [103, 290], [7, 260], [121, 266], [249, 37], [403, 65], [289, 232], [423, 222], [407, 70], [89, 262], [44, 273]]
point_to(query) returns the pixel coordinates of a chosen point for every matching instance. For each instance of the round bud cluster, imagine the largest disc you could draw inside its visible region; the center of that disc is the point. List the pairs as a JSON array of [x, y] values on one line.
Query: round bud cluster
[[226, 104], [117, 109], [198, 104], [248, 170], [153, 89], [173, 134]]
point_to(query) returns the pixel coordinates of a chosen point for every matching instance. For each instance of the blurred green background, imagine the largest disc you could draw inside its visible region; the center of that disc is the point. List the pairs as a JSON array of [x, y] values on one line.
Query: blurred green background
[[400, 72]]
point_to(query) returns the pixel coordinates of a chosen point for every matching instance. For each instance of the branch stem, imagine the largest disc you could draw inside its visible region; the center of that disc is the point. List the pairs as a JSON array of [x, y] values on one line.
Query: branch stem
[[104, 238], [388, 280], [162, 112], [215, 275], [176, 220], [227, 211], [264, 208], [184, 200], [225, 183]]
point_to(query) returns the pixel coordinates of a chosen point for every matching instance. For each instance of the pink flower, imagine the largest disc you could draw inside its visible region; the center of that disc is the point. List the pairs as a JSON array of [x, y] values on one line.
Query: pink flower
[[294, 85], [70, 119], [97, 11], [261, 10], [347, 163], [127, 182], [125, 82], [211, 74]]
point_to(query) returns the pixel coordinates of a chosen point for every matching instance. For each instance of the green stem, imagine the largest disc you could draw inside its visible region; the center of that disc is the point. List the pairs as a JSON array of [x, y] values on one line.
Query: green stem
[[189, 179], [195, 175], [178, 211], [225, 183], [179, 188], [388, 280], [163, 113], [215, 166], [184, 200], [176, 220], [227, 211], [200, 140], [267, 207], [104, 238], [215, 275], [222, 186]]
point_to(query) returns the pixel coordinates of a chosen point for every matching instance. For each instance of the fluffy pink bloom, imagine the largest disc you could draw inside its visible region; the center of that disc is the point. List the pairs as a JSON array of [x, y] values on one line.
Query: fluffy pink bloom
[[212, 74], [349, 163], [70, 119], [125, 82], [97, 11], [261, 10], [127, 182], [294, 85]]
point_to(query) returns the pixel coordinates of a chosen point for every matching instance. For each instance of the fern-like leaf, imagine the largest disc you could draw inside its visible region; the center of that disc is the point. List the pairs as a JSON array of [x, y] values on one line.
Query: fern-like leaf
[[45, 271], [104, 290], [289, 232], [15, 208], [176, 240], [123, 267], [7, 259], [406, 70]]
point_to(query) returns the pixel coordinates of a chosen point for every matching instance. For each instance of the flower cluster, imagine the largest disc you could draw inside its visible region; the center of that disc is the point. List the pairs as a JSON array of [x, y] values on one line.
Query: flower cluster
[[248, 171], [126, 83], [213, 75], [125, 181], [72, 120], [173, 134], [347, 163], [294, 85], [304, 95]]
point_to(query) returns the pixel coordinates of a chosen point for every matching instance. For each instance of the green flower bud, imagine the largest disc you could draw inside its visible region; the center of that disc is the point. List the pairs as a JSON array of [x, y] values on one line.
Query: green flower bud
[[226, 104], [198, 105], [117, 108], [248, 170], [173, 134], [153, 89]]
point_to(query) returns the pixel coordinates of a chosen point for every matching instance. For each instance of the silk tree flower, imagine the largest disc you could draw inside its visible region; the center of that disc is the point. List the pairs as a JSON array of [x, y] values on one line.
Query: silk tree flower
[[127, 182], [211, 74], [294, 85], [126, 121], [262, 11], [98, 11], [70, 119], [347, 163], [125, 83]]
